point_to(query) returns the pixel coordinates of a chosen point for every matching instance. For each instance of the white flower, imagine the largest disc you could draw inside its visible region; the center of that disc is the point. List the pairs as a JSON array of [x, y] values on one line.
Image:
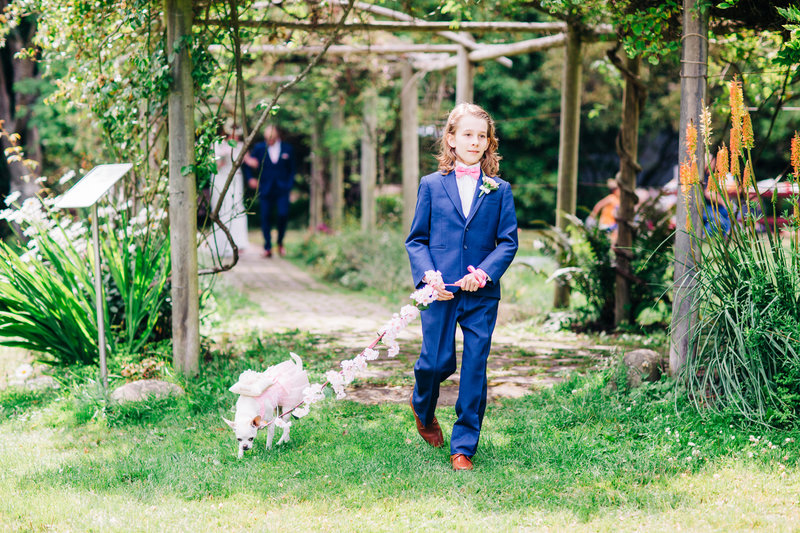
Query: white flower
[[23, 372], [66, 177], [283, 424], [424, 296], [337, 383], [313, 394], [301, 410], [488, 186], [12, 197], [370, 354]]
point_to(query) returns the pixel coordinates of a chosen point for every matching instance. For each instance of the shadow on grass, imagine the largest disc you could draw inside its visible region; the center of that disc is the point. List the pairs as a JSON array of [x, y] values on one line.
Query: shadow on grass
[[356, 455]]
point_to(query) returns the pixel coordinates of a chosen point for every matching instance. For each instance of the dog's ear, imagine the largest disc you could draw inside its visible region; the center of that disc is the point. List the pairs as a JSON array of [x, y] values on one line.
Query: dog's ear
[[257, 422], [231, 424]]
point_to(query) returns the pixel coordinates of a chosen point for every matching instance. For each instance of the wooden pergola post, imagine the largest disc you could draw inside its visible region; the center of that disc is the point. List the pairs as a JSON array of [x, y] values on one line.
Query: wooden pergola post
[[464, 73], [566, 196], [182, 192], [316, 185], [337, 165], [694, 76], [369, 159], [628, 149], [409, 105]]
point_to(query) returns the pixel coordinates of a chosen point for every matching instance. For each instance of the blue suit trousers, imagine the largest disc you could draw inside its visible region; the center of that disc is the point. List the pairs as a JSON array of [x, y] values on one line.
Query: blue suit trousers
[[477, 316]]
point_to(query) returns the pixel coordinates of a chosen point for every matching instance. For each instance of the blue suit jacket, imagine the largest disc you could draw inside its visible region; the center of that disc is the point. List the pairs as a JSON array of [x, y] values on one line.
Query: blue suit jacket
[[273, 178], [441, 238]]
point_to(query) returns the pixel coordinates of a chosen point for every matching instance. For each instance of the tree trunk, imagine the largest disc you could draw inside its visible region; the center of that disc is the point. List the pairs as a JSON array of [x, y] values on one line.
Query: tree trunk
[[566, 201], [694, 75], [629, 168], [409, 102], [369, 160], [182, 192], [337, 165], [16, 176]]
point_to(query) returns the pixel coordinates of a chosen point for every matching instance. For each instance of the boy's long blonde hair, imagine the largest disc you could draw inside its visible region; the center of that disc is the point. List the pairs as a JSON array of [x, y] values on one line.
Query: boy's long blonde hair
[[490, 162]]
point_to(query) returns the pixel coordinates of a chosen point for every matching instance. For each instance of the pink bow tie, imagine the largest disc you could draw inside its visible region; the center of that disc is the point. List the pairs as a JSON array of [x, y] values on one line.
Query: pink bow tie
[[472, 172]]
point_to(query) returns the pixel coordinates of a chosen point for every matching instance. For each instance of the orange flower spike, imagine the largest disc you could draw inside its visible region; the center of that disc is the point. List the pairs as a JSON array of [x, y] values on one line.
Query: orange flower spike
[[736, 102], [736, 139], [722, 161], [686, 178], [713, 183], [747, 180], [691, 141], [748, 139], [796, 155]]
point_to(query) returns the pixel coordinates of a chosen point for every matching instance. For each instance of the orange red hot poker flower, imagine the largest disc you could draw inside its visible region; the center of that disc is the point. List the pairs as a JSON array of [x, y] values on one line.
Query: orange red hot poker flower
[[747, 132], [736, 101], [796, 155]]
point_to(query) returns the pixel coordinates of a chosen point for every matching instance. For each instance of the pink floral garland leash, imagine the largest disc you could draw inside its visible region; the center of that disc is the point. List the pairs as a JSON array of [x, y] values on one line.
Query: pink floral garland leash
[[387, 334]]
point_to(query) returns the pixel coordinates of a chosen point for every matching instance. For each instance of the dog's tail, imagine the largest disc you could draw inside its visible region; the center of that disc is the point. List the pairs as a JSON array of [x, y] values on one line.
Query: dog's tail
[[297, 360]]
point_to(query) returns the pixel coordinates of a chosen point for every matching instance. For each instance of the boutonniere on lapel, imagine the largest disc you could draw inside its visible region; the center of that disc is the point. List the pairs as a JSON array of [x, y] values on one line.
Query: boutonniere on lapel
[[488, 186]]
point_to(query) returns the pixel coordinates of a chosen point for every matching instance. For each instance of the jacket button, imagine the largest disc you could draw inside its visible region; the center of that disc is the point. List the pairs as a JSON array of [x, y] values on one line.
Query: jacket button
[[465, 246]]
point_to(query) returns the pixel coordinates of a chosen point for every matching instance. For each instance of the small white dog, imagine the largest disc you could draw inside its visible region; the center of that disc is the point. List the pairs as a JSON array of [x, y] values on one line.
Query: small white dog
[[264, 396]]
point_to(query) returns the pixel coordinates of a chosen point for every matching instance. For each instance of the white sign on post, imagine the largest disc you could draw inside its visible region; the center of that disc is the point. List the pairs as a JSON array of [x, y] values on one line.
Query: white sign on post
[[92, 186], [86, 193]]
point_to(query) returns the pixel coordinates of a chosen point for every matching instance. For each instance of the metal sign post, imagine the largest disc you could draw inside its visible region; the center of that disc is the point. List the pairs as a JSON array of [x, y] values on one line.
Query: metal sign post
[[86, 193]]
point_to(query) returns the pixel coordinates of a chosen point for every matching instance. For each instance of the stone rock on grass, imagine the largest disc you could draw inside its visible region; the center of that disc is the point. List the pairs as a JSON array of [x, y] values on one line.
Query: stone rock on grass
[[642, 365], [144, 389]]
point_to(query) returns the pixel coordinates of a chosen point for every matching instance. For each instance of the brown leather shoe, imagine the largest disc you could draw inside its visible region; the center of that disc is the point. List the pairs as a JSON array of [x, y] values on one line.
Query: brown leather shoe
[[460, 462], [432, 433]]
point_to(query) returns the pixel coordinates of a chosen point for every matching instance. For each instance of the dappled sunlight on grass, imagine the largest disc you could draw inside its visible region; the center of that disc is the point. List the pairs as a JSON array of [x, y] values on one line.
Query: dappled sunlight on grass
[[576, 457]]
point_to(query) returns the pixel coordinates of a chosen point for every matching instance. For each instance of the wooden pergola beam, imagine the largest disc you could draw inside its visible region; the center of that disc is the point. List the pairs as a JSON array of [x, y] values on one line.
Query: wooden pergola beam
[[382, 25], [491, 51], [461, 38], [343, 49]]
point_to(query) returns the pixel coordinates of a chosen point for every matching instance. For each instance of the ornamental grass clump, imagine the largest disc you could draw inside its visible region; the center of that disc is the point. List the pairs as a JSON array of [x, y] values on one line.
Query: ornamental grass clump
[[47, 295], [744, 346]]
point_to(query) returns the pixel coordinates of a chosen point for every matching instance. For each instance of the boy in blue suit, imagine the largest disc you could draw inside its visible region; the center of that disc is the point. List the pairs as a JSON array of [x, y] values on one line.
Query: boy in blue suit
[[464, 227]]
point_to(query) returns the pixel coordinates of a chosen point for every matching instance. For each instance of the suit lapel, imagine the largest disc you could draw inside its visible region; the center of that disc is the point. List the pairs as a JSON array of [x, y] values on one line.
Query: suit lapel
[[451, 188]]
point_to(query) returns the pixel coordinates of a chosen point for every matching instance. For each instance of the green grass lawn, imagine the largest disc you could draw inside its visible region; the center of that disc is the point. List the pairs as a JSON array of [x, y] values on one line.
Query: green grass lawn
[[575, 457]]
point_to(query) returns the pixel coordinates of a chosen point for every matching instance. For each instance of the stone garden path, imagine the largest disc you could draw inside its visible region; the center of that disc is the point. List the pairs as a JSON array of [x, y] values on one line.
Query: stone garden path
[[290, 298]]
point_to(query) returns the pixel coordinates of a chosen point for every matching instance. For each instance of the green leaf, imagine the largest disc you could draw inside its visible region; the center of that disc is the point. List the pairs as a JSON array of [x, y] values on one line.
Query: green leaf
[[188, 169]]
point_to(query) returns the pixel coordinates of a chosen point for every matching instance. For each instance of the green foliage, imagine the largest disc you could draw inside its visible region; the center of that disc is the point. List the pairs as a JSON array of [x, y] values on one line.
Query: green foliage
[[789, 55], [358, 260], [139, 266], [590, 266], [649, 28], [745, 343], [47, 297]]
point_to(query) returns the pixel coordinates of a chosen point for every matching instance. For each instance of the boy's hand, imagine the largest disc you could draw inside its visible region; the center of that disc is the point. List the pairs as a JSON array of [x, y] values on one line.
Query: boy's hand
[[473, 281], [441, 292]]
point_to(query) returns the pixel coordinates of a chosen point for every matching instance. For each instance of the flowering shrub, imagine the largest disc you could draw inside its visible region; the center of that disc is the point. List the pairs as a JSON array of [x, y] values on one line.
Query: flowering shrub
[[47, 289], [744, 348]]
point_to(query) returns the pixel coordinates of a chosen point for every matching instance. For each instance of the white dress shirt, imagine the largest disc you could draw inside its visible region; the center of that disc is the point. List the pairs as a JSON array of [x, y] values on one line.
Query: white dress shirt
[[274, 151], [466, 188]]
